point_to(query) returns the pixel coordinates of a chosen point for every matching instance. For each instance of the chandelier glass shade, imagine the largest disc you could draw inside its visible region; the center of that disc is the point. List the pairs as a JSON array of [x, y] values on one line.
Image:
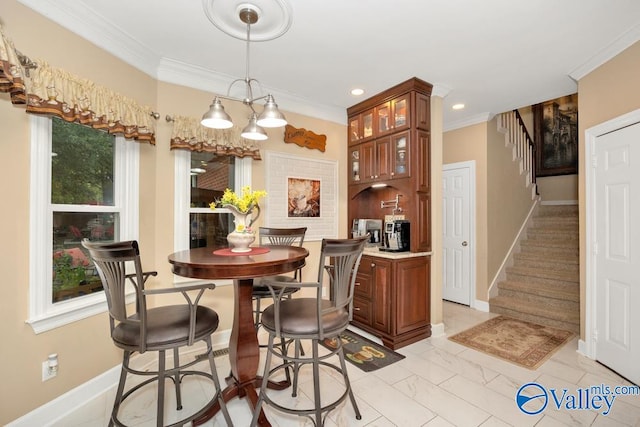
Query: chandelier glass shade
[[270, 117]]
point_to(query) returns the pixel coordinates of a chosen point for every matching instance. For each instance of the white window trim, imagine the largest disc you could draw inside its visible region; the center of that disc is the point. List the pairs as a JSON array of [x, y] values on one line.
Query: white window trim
[[182, 202], [43, 314]]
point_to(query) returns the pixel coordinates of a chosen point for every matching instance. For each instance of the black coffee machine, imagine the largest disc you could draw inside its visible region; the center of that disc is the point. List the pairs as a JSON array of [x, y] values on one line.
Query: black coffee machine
[[396, 236]]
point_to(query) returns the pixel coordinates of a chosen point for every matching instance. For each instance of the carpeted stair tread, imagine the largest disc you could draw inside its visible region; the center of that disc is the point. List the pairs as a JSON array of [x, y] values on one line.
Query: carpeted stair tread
[[568, 257], [553, 234], [559, 275], [569, 293], [568, 245], [557, 317], [550, 263]]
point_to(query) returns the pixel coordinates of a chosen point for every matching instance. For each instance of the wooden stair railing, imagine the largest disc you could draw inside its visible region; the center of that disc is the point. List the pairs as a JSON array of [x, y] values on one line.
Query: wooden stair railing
[[524, 147]]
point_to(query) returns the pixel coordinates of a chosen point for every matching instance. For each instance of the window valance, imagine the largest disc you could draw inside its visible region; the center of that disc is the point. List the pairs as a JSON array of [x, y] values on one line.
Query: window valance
[[56, 92], [189, 134], [11, 72]]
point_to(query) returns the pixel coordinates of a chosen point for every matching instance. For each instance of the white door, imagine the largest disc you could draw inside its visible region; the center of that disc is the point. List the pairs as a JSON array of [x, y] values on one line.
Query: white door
[[456, 225], [617, 250]]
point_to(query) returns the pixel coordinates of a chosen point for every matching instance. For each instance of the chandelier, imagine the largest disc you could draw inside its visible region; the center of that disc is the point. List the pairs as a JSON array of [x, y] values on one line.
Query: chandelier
[[270, 117]]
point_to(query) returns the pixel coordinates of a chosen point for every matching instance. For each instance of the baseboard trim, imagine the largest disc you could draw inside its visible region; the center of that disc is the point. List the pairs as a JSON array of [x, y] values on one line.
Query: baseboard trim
[[55, 410], [481, 306], [437, 330]]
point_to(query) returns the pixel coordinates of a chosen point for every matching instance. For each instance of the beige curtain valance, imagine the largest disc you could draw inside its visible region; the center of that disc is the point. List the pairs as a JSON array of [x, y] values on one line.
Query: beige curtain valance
[[55, 92], [11, 72], [189, 134]]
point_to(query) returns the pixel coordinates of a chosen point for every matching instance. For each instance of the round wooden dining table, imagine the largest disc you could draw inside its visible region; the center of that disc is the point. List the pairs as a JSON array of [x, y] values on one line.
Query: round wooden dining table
[[244, 350]]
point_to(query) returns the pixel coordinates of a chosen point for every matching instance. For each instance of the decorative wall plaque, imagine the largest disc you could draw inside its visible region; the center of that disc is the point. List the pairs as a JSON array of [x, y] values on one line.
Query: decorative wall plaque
[[304, 138]]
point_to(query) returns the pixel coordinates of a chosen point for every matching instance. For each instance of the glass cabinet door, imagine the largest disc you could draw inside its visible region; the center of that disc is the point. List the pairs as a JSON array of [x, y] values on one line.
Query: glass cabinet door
[[354, 129], [400, 107], [400, 155], [367, 124], [354, 165], [383, 115]]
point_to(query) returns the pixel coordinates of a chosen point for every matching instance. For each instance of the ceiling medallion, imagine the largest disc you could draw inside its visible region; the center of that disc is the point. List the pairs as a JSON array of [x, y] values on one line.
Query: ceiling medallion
[[273, 18]]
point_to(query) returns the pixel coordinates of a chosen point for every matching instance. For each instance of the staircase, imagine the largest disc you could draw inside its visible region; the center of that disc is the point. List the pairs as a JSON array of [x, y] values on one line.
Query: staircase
[[543, 285]]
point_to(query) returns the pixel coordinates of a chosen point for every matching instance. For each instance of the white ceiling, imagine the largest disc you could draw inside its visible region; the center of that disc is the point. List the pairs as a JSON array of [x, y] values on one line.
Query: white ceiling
[[491, 55]]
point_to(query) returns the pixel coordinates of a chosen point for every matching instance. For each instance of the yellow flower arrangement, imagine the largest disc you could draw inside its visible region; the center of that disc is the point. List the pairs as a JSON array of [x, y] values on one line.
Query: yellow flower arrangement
[[243, 203]]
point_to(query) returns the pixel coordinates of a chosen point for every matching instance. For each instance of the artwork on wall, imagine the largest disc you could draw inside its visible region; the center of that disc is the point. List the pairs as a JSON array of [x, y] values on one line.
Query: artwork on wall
[[302, 192], [555, 125], [304, 197]]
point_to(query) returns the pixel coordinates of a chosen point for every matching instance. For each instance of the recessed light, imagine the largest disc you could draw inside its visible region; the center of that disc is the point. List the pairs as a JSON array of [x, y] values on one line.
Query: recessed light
[[457, 106], [357, 91]]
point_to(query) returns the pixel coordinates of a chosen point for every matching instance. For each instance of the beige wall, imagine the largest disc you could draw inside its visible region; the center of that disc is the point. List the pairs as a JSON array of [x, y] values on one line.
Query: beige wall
[[558, 188], [85, 349], [465, 144], [502, 198], [609, 91], [508, 201]]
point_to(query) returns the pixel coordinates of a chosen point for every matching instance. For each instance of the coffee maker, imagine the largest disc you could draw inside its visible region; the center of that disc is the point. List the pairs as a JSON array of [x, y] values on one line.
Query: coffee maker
[[372, 227], [396, 236]]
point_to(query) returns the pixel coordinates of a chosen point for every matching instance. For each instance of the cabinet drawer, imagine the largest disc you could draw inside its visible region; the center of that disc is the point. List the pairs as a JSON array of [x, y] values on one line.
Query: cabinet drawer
[[362, 310], [363, 288]]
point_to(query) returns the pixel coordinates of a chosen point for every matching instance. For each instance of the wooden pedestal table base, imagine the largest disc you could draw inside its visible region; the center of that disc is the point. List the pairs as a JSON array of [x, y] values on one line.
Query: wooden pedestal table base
[[244, 350]]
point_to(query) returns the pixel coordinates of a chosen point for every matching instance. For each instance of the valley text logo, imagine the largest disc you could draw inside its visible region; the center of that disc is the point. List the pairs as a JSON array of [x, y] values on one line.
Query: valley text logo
[[533, 398]]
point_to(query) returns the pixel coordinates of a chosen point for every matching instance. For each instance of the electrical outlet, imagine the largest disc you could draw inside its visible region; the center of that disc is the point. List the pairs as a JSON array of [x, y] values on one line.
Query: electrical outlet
[[47, 373]]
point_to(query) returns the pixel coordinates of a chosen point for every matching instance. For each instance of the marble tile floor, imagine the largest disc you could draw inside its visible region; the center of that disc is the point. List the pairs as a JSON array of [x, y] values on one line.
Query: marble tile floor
[[439, 383]]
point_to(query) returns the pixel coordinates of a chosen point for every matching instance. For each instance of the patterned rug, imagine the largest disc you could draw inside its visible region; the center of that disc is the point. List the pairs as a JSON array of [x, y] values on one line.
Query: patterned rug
[[516, 341], [363, 353]]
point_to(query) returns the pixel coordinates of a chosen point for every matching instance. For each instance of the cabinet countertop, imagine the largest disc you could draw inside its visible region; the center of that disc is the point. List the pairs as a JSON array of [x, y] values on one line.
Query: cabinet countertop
[[374, 251]]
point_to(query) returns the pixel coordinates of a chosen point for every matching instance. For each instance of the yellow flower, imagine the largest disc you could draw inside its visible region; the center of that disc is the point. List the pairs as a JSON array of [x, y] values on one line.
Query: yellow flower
[[243, 202], [240, 228]]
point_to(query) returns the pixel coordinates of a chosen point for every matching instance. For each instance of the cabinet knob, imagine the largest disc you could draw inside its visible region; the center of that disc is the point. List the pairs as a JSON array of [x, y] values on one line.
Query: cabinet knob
[[373, 265], [356, 308], [357, 283]]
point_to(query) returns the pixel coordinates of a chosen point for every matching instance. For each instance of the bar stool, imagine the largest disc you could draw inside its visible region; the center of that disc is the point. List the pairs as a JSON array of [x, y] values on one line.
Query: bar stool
[[159, 329], [313, 319]]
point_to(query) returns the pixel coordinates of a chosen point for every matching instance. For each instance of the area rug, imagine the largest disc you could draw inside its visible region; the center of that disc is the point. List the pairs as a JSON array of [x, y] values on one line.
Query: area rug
[[364, 353], [516, 341]]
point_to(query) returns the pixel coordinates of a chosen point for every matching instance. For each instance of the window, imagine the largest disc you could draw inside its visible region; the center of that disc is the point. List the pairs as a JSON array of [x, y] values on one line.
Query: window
[[200, 179], [84, 183]]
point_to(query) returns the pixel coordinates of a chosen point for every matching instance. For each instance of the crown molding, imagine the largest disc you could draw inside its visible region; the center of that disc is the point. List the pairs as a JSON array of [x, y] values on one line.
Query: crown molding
[[93, 28], [441, 90], [624, 41], [468, 121]]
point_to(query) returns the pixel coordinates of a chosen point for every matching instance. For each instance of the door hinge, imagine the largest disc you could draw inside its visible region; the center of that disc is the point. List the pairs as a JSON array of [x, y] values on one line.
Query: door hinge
[[594, 162], [595, 248]]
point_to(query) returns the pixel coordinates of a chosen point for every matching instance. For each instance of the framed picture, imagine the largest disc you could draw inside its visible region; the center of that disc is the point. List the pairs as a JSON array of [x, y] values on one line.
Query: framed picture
[[302, 192], [304, 197], [555, 125]]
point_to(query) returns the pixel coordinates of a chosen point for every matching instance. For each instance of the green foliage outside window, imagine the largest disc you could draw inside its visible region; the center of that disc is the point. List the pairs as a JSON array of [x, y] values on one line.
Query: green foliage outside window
[[82, 165]]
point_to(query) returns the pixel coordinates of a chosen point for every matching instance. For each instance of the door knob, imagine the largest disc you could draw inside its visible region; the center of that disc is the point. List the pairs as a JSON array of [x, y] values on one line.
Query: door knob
[[464, 243]]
